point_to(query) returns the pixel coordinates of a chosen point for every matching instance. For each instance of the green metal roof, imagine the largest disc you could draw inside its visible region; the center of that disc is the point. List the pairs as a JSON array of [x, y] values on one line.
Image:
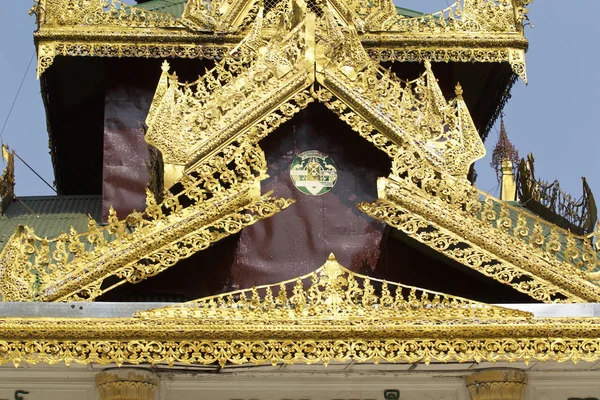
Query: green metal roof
[[173, 7], [49, 216]]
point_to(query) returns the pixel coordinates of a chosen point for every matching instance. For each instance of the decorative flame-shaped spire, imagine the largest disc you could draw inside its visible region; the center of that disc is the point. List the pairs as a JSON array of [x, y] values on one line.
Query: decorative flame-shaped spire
[[503, 150]]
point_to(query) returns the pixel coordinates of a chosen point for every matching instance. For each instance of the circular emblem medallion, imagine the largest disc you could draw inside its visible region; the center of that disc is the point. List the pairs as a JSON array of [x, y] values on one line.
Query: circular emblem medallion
[[313, 173]]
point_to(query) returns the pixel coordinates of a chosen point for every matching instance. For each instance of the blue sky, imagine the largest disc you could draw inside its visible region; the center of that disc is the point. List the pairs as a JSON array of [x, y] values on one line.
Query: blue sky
[[555, 117]]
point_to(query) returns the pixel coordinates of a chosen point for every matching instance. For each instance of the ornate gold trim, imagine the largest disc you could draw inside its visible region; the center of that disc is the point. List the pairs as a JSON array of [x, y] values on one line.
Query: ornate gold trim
[[189, 121], [260, 351], [480, 31], [485, 16], [385, 52], [462, 250], [48, 50], [73, 266], [113, 13], [333, 292]]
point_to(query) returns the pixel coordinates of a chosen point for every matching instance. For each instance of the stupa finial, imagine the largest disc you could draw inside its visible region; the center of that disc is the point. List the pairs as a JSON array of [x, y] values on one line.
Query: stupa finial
[[503, 150]]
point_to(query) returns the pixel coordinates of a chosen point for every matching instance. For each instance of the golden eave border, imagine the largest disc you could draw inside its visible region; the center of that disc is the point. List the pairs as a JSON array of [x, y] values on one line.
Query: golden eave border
[[466, 24], [385, 47], [193, 342]]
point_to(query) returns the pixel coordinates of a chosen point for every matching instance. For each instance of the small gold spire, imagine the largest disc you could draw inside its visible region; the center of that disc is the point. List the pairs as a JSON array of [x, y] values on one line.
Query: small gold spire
[[505, 158], [458, 90]]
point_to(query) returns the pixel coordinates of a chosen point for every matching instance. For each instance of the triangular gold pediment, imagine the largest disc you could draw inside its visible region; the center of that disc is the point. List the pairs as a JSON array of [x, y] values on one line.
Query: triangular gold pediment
[[333, 294]]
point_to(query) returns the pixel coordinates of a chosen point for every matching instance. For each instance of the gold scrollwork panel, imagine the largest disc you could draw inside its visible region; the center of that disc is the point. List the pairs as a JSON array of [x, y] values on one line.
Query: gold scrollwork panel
[[194, 351]]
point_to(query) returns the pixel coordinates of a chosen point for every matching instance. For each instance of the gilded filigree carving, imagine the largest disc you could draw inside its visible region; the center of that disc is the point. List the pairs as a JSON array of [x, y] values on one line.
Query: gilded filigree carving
[[98, 12], [334, 292], [497, 384], [187, 121], [463, 16], [470, 30], [457, 248], [202, 15], [414, 113], [48, 50], [265, 351]]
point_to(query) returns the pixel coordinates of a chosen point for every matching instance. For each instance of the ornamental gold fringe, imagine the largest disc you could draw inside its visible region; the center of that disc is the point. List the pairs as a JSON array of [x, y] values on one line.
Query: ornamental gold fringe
[[332, 292], [110, 28], [308, 351]]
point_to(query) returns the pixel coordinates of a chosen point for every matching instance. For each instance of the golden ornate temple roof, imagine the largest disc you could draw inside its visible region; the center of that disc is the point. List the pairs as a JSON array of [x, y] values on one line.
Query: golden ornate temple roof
[[271, 60]]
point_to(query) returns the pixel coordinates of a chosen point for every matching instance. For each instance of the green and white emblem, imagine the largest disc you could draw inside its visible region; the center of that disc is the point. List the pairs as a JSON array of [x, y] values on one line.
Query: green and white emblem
[[313, 173]]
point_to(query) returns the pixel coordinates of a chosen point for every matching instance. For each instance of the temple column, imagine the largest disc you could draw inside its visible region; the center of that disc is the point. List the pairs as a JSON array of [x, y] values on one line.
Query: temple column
[[497, 384], [127, 384]]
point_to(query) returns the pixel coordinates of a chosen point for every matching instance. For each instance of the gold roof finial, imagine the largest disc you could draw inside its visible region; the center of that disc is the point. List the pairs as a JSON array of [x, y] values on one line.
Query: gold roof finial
[[458, 90], [503, 150]]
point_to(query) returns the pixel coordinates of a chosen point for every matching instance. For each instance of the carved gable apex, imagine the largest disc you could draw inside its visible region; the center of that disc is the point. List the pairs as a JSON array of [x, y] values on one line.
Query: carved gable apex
[[266, 76]]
